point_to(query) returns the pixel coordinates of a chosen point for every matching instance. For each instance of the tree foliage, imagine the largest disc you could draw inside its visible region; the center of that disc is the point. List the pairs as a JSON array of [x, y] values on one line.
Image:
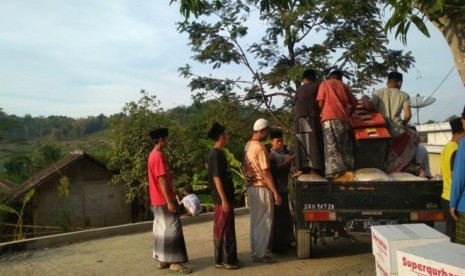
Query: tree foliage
[[17, 168], [130, 143], [406, 12], [15, 129], [319, 34], [186, 155], [447, 15]]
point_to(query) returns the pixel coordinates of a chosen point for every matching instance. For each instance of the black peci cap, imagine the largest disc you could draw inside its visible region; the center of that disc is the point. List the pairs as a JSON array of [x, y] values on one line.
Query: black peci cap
[[215, 131], [395, 76], [158, 133], [276, 133], [456, 125]]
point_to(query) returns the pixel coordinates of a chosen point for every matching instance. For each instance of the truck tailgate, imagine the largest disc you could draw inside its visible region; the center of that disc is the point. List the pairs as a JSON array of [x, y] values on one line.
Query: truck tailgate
[[373, 195]]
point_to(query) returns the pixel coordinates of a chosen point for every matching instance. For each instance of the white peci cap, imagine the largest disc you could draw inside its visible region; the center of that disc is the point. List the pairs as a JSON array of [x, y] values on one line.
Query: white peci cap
[[260, 124]]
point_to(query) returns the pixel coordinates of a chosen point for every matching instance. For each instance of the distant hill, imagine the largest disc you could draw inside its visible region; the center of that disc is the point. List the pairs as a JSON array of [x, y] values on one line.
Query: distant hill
[[28, 143]]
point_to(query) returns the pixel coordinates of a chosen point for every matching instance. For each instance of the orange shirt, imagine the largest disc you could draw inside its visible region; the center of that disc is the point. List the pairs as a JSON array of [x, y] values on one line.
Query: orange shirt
[[256, 161], [337, 100]]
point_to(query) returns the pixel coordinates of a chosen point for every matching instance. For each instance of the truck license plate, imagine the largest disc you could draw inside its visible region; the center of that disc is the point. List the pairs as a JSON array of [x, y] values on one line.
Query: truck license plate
[[363, 225]]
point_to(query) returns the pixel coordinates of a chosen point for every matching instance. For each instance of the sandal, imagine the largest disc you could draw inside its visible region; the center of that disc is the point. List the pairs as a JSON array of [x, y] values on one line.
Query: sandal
[[182, 269], [266, 259], [227, 266]]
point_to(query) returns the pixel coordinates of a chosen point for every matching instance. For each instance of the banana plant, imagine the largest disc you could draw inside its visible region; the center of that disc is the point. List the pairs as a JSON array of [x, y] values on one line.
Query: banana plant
[[19, 214]]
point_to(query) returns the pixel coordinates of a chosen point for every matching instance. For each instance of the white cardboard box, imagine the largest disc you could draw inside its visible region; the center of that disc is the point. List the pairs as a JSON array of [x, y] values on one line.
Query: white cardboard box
[[432, 259], [381, 269], [387, 239]]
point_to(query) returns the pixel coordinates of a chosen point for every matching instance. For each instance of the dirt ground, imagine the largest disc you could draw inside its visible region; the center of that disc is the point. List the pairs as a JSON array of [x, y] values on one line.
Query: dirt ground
[[132, 255]]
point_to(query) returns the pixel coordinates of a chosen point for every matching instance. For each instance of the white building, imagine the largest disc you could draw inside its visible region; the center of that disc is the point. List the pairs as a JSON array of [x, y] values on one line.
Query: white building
[[434, 137]]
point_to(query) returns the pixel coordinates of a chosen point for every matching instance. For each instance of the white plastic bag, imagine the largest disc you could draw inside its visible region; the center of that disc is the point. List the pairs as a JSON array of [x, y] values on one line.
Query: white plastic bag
[[402, 176], [311, 178], [371, 174]]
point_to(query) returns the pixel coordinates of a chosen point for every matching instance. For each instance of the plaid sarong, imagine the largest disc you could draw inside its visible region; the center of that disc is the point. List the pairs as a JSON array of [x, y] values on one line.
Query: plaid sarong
[[460, 229], [168, 240], [308, 144], [339, 147]]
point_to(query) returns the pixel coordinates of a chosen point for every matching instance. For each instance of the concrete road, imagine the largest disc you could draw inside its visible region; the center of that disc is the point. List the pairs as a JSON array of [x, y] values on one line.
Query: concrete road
[[132, 255]]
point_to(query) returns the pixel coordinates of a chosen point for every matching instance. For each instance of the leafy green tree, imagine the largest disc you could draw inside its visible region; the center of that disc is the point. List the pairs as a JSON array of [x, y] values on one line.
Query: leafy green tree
[[130, 145], [447, 15], [322, 34]]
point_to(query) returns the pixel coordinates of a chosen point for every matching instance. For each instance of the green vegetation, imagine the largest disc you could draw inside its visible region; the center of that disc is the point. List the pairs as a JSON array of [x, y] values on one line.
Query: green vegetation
[[124, 144], [63, 194], [28, 144], [447, 15], [273, 42], [130, 143], [18, 233]]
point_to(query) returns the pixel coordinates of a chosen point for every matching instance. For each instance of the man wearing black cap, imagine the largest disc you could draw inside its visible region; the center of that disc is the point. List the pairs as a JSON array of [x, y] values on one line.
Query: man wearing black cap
[[457, 195], [308, 145], [392, 102], [169, 248], [282, 231], [447, 163], [222, 192]]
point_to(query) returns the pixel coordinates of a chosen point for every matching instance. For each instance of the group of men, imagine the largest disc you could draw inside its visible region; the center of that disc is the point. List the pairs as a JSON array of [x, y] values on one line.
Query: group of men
[[266, 170], [324, 136]]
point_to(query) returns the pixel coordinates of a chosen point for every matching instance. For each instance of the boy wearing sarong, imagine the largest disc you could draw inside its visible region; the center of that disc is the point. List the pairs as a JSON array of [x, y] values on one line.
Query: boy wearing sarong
[[222, 193], [169, 248]]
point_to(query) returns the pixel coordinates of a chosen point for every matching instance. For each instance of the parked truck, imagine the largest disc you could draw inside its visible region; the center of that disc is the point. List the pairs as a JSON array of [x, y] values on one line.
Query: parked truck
[[325, 208]]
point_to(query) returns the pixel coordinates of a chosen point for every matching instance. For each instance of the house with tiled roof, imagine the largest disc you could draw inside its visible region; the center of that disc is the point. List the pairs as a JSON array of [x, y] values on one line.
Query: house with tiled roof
[[90, 201]]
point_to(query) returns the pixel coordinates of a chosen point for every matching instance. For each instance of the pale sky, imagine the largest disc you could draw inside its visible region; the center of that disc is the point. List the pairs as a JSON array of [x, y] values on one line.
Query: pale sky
[[84, 58]]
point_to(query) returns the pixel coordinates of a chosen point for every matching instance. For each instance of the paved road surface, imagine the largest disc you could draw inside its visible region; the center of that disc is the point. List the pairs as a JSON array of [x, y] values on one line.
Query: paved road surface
[[131, 255]]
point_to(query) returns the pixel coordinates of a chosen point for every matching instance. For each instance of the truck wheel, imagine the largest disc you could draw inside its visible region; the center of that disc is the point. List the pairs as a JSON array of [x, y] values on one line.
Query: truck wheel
[[304, 243]]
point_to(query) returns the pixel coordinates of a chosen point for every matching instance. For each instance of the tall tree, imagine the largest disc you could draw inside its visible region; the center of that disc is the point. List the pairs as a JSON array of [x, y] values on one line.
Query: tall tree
[[130, 144], [447, 15], [323, 34]]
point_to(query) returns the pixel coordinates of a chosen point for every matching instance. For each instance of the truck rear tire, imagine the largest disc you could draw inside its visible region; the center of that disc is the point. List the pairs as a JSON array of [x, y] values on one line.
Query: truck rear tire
[[304, 243]]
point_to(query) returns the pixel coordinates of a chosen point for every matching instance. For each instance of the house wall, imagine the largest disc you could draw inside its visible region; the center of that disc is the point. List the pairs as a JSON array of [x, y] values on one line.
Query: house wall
[[91, 201], [437, 135]]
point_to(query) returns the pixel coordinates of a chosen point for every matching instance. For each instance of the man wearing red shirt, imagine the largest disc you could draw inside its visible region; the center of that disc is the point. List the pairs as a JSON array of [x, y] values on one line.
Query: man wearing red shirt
[[169, 248], [337, 103]]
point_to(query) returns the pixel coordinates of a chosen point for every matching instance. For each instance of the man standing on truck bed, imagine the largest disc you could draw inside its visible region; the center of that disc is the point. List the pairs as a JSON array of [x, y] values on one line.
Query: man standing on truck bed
[[391, 102], [337, 103], [308, 145], [260, 191], [447, 164], [457, 196]]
